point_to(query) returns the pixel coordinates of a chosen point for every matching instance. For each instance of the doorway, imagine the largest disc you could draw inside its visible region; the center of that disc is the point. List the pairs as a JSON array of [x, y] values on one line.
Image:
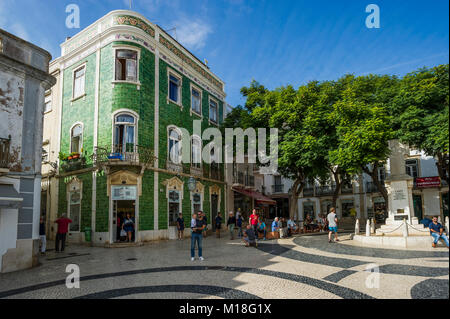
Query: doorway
[[417, 203], [121, 208]]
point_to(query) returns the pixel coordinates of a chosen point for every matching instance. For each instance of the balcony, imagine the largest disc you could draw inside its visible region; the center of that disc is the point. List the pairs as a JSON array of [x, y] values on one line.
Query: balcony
[[326, 190], [278, 188], [308, 192], [347, 189], [371, 187], [238, 178], [4, 152], [123, 155], [73, 164]]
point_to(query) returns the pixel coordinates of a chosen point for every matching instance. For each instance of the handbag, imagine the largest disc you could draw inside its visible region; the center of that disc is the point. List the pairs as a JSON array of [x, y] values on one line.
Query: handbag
[[123, 233]]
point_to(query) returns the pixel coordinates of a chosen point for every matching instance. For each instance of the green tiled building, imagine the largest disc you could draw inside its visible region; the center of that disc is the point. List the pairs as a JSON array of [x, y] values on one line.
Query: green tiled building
[[127, 90]]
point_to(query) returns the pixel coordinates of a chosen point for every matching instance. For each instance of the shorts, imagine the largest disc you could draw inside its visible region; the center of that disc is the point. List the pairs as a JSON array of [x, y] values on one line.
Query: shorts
[[333, 229]]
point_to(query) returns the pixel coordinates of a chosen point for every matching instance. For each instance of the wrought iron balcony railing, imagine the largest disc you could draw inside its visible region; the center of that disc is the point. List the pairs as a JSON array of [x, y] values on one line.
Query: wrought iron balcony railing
[[129, 154], [325, 190], [307, 192], [4, 151]]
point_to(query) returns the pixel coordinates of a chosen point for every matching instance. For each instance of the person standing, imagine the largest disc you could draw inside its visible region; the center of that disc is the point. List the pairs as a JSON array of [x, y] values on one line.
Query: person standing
[[231, 223], [42, 236], [128, 226], [180, 226], [218, 224], [437, 232], [239, 226], [332, 225], [253, 220], [197, 236], [63, 227]]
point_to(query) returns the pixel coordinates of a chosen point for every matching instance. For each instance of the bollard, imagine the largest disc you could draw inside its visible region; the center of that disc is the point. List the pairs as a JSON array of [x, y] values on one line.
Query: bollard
[[368, 228], [357, 227], [405, 228], [372, 226]]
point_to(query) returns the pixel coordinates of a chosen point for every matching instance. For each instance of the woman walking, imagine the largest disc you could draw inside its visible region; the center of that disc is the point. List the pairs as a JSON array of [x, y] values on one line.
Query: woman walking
[[128, 226], [231, 222]]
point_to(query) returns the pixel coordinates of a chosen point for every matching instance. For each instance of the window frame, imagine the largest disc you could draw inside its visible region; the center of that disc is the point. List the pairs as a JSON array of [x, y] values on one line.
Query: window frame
[[82, 135], [180, 86], [48, 99], [138, 59], [192, 111], [198, 139], [209, 111], [135, 124], [169, 129], [78, 68], [416, 165]]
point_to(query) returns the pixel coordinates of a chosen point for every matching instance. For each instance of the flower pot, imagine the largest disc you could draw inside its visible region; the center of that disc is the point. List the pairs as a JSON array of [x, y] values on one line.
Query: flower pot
[[69, 158], [76, 156]]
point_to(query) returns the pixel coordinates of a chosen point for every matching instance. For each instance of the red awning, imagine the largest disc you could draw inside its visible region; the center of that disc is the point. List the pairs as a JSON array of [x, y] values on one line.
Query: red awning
[[260, 198]]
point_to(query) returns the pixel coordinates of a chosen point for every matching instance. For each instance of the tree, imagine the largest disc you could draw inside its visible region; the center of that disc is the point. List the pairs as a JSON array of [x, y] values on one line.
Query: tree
[[364, 126], [420, 113]]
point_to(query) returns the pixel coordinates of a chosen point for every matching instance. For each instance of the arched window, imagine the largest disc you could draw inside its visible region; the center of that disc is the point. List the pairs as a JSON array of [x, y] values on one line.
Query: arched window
[[124, 133], [76, 138], [196, 152], [174, 146]]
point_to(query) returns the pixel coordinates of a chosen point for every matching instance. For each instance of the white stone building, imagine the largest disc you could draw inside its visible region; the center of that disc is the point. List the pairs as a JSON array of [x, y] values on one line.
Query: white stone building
[[23, 80]]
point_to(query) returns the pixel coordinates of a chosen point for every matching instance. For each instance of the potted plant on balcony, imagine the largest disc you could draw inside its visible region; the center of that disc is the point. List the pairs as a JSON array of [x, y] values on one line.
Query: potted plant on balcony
[[75, 155]]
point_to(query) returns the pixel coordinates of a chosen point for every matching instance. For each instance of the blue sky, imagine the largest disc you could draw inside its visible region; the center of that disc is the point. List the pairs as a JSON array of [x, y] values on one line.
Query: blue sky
[[276, 42]]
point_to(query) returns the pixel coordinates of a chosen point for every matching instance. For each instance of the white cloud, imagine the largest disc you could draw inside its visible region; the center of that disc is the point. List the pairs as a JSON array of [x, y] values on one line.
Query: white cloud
[[192, 33]]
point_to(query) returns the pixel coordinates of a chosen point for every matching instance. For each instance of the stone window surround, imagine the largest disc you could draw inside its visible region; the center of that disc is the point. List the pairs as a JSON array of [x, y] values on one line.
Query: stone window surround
[[174, 184], [70, 135], [209, 111], [83, 65], [117, 47], [48, 98], [196, 137], [136, 121], [195, 87], [169, 128], [172, 72], [77, 186], [199, 189]]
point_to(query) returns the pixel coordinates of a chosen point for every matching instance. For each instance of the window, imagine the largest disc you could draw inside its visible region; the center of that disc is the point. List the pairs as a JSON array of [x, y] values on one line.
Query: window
[[381, 174], [213, 111], [196, 203], [412, 168], [47, 105], [174, 207], [126, 65], [174, 88], [76, 138], [78, 82], [196, 101], [174, 146], [124, 133], [196, 152], [45, 151], [75, 210]]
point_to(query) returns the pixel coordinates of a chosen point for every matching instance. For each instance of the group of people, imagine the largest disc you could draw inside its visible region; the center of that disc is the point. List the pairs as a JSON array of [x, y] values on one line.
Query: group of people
[[285, 228]]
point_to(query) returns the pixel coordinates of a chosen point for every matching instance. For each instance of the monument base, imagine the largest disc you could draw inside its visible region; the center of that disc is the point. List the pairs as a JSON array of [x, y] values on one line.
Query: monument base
[[396, 242]]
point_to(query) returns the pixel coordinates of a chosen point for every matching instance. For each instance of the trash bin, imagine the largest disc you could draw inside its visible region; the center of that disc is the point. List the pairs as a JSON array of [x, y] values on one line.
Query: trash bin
[[87, 234]]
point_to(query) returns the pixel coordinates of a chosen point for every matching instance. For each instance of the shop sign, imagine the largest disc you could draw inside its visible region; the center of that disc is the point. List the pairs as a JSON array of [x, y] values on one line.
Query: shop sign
[[428, 182], [123, 192]]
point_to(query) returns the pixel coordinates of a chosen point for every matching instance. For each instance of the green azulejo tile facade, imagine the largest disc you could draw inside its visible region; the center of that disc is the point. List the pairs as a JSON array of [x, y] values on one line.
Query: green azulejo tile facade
[[125, 98]]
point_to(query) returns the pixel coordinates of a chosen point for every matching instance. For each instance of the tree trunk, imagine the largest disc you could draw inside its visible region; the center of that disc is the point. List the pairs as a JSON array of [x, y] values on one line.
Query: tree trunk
[[441, 166], [297, 188], [338, 182], [380, 186]]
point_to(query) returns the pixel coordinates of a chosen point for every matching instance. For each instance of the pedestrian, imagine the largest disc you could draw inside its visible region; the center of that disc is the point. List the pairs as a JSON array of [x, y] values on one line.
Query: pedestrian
[[180, 226], [275, 225], [249, 237], [63, 227], [262, 228], [332, 225], [218, 224], [239, 221], [42, 236], [283, 228], [205, 221], [437, 232], [128, 226], [253, 220], [197, 236], [231, 223]]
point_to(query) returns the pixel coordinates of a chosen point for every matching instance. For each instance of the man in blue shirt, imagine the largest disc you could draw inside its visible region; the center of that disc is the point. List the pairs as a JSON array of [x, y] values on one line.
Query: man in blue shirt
[[275, 225], [196, 237], [437, 232]]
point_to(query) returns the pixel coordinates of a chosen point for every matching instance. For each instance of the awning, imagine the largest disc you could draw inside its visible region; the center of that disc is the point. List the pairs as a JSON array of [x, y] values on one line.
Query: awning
[[260, 198], [9, 198]]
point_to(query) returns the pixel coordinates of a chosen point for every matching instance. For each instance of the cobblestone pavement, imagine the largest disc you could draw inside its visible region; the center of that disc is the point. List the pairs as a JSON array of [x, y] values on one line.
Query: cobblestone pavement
[[302, 267]]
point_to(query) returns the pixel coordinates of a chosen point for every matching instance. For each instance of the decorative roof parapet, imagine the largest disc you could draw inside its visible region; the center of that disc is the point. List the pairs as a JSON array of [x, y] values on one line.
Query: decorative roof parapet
[[190, 62], [134, 21]]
